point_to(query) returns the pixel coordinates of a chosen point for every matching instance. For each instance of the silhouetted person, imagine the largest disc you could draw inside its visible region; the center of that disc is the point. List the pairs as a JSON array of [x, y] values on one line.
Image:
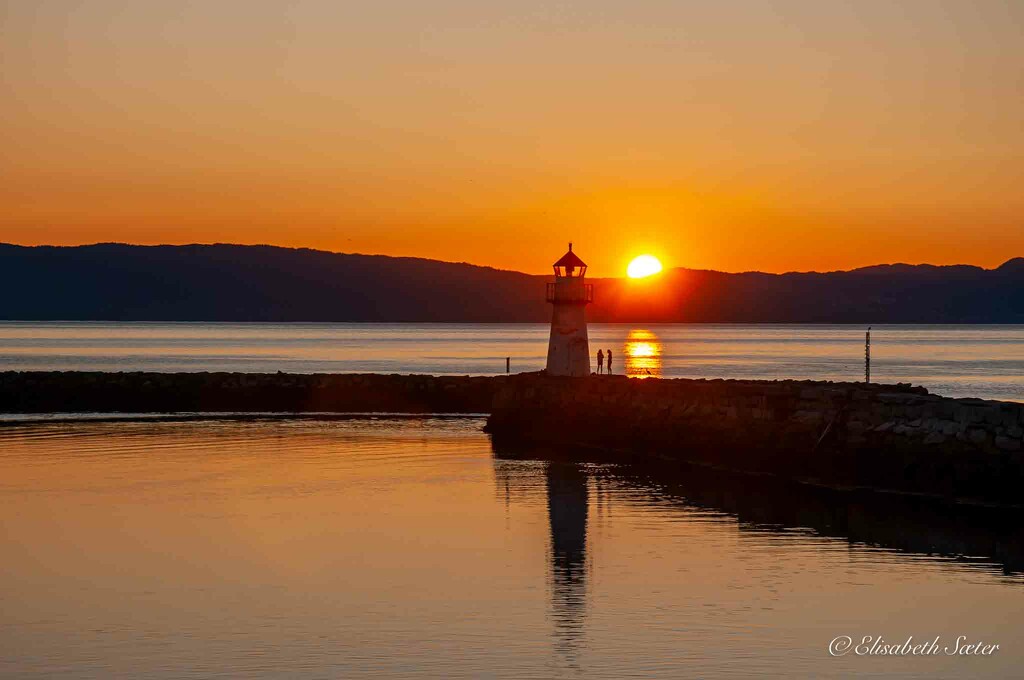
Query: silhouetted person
[[600, 362], [609, 355]]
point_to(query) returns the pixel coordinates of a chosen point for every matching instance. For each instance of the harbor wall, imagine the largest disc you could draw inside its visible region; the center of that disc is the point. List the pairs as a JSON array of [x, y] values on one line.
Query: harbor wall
[[96, 392], [894, 437]]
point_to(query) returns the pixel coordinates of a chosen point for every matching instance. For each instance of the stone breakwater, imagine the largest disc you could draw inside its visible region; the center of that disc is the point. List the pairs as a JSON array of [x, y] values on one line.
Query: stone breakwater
[[893, 437], [84, 392]]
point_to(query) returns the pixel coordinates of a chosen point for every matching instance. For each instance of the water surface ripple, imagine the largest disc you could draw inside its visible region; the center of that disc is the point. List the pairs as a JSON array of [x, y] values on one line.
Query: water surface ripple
[[408, 548]]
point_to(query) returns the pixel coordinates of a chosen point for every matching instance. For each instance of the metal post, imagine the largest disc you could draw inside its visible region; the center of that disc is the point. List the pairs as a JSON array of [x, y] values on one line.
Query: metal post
[[867, 356], [508, 365]]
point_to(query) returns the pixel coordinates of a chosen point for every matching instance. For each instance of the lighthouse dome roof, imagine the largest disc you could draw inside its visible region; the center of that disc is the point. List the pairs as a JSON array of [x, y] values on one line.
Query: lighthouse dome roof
[[570, 259]]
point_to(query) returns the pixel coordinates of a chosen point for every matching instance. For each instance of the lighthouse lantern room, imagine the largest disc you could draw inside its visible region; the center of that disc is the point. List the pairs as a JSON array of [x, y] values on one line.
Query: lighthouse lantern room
[[568, 348]]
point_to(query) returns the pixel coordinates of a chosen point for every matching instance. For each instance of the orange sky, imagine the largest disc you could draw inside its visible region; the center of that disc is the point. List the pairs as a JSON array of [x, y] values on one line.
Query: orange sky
[[728, 135]]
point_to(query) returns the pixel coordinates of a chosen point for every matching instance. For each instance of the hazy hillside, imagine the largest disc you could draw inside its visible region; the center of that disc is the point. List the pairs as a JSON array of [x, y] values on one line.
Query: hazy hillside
[[264, 283], [880, 294]]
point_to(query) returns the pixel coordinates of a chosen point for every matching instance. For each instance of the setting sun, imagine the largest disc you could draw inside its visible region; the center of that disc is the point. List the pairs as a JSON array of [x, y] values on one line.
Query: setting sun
[[643, 265]]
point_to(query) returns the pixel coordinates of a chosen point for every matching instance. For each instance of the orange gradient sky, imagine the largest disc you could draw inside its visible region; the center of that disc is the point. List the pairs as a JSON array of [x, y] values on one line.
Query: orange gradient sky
[[729, 135]]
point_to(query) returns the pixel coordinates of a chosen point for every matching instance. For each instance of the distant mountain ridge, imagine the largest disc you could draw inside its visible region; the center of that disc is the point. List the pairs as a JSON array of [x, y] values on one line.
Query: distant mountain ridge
[[119, 282]]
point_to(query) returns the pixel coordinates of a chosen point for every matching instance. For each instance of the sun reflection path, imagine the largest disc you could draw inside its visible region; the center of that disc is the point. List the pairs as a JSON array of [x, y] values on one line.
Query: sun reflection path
[[643, 354]]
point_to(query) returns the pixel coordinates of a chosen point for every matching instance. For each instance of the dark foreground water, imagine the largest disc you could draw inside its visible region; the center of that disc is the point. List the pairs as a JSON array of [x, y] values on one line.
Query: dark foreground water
[[408, 548], [953, 360]]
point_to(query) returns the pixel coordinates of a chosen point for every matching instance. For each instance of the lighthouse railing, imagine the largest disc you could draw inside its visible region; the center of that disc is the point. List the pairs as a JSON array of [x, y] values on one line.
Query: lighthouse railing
[[580, 293]]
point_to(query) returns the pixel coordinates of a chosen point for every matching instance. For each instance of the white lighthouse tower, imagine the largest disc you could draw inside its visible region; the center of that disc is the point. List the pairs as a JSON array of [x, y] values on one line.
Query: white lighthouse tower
[[569, 349]]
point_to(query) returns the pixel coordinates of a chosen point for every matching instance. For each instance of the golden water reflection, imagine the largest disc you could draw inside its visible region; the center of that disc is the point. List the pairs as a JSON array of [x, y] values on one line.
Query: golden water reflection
[[376, 547], [643, 354]]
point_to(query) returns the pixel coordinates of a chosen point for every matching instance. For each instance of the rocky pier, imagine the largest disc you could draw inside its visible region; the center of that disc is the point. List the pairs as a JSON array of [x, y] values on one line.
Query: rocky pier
[[847, 435], [136, 392], [844, 435]]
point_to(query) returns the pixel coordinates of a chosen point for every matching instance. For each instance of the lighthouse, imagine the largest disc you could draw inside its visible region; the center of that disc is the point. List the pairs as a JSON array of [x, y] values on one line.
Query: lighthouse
[[568, 348]]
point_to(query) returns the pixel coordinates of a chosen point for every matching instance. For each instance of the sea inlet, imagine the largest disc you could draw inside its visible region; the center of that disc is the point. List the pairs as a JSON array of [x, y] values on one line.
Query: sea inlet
[[409, 547]]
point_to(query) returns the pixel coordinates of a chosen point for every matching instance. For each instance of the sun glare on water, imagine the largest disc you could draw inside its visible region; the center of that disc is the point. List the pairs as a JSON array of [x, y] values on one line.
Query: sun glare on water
[[644, 265]]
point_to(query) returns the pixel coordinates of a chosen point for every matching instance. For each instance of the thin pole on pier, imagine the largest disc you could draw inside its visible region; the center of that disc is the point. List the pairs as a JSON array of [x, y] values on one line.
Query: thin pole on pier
[[867, 356], [508, 365]]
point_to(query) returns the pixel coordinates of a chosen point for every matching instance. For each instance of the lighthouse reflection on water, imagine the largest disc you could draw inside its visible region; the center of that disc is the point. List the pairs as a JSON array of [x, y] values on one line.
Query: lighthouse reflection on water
[[566, 486], [567, 519]]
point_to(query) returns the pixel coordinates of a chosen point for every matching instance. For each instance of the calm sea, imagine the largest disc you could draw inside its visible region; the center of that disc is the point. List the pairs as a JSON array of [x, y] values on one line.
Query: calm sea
[[959, 361], [406, 548]]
